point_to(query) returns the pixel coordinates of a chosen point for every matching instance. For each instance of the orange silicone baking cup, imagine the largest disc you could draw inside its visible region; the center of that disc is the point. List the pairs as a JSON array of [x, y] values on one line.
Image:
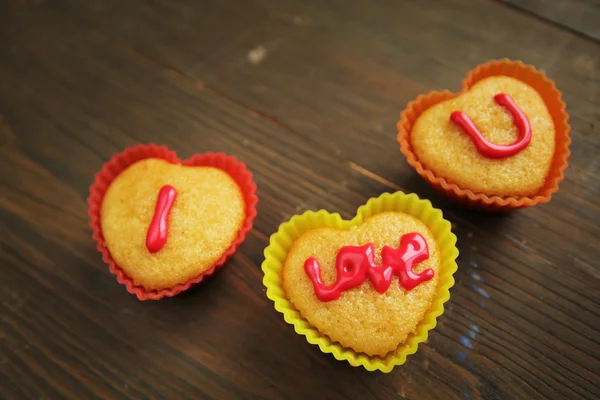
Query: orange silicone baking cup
[[552, 98], [121, 161]]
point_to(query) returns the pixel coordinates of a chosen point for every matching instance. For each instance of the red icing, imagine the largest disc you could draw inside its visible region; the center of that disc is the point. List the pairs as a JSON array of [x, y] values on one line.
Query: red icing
[[487, 148], [355, 263], [159, 230]]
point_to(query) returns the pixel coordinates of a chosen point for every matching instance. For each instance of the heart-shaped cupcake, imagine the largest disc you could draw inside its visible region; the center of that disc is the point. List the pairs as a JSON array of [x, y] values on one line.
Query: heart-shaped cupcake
[[499, 144], [367, 290], [163, 224]]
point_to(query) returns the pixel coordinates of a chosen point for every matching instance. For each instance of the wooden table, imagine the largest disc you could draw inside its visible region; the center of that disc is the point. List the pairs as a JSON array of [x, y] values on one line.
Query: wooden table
[[307, 93]]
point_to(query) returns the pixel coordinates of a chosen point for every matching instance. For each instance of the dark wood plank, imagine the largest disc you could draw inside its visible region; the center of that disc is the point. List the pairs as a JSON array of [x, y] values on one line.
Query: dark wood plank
[[580, 16], [63, 271], [309, 47], [365, 74], [314, 120]]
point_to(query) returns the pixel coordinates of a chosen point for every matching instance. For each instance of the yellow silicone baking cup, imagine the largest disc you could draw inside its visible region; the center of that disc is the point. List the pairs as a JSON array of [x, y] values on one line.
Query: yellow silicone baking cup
[[282, 240]]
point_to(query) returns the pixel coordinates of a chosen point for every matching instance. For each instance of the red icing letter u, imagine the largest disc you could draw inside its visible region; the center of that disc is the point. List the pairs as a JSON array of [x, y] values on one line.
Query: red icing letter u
[[487, 148]]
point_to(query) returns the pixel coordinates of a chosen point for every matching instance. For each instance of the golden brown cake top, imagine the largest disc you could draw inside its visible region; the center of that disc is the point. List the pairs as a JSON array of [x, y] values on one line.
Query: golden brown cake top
[[207, 213], [444, 147], [362, 318]]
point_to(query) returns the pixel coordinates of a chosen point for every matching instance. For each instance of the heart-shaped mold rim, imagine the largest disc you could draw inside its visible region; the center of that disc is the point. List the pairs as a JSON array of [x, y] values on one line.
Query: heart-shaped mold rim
[[121, 161], [281, 242], [552, 98]]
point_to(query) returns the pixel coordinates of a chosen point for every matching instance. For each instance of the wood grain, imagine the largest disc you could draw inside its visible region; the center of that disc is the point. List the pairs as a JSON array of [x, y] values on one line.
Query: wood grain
[[579, 16], [314, 119]]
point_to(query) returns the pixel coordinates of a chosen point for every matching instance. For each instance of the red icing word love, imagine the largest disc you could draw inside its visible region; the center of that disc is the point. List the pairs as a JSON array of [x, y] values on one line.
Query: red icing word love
[[355, 263], [159, 230], [487, 148]]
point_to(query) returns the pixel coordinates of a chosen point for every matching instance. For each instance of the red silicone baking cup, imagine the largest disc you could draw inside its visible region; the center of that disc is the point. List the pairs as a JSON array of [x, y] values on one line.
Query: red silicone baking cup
[[119, 162], [552, 98]]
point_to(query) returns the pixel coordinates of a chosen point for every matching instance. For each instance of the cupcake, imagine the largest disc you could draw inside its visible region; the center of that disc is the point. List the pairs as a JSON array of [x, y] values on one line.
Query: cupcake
[[366, 290], [164, 225], [499, 144]]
